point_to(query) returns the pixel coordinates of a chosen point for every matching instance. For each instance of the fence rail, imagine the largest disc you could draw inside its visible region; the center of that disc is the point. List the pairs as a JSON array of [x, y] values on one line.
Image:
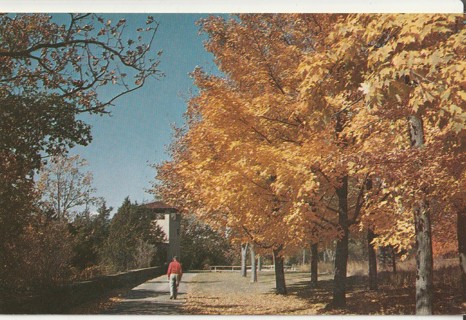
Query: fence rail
[[267, 267]]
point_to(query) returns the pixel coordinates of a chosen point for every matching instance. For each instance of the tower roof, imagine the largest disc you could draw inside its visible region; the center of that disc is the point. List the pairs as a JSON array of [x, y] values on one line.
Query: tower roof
[[160, 206]]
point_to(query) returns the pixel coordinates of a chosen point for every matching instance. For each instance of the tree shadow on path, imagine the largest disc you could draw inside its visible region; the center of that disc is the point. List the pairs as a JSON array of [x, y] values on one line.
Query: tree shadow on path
[[388, 299]]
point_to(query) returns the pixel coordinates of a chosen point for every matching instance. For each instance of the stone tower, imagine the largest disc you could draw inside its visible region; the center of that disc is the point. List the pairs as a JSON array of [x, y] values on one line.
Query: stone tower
[[169, 220]]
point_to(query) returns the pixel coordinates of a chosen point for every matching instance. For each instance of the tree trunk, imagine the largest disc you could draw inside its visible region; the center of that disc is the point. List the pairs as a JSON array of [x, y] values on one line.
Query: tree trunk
[[314, 260], [393, 260], [253, 264], [279, 272], [372, 260], [424, 261], [244, 252], [259, 263], [383, 257], [341, 257], [461, 225]]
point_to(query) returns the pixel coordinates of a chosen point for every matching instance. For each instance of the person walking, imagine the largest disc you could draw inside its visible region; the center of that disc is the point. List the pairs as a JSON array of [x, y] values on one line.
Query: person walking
[[174, 273]]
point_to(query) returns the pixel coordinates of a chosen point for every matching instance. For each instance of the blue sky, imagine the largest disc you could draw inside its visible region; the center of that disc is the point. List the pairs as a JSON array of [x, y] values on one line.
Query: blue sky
[[139, 129]]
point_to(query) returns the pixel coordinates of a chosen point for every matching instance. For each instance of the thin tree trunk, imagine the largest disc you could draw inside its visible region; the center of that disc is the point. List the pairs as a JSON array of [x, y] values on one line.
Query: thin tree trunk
[[383, 257], [461, 225], [279, 272], [373, 283], [424, 261], [253, 263], [259, 263], [341, 257], [314, 261], [372, 260], [304, 257], [244, 252], [393, 260]]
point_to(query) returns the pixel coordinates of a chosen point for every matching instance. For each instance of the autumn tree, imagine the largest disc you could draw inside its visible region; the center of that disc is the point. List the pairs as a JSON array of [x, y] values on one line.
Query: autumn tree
[[424, 84], [42, 257], [67, 195], [408, 132], [52, 71], [34, 126], [329, 91], [238, 160], [73, 59], [30, 127], [16, 203], [309, 111], [64, 187]]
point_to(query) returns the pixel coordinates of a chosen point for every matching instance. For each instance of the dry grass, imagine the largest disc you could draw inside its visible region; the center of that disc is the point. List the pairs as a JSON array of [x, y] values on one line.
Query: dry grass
[[355, 268], [230, 294]]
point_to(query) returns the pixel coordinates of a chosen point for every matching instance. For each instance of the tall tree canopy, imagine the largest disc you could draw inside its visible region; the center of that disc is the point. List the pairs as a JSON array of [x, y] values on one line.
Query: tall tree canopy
[[311, 129]]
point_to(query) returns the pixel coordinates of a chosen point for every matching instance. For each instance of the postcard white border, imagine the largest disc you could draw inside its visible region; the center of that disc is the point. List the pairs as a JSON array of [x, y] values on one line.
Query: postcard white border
[[237, 6]]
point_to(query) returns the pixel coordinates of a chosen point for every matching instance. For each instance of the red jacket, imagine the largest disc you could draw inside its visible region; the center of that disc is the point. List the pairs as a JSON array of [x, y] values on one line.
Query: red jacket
[[174, 267]]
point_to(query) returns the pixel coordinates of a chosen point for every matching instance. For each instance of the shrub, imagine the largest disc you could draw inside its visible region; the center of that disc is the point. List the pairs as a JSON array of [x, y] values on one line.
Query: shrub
[[43, 256]]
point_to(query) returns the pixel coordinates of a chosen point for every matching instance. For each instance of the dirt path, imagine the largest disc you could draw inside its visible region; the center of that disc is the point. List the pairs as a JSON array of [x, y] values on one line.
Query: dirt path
[[151, 297]]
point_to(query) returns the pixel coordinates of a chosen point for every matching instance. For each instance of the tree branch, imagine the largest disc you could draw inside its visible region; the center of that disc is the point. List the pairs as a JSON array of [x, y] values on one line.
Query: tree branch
[[359, 201], [269, 68], [259, 244], [279, 120], [255, 130], [26, 53]]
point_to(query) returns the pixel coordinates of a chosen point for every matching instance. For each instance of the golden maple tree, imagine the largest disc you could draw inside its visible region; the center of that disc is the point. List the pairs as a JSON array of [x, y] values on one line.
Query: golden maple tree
[[409, 132], [241, 155], [308, 111]]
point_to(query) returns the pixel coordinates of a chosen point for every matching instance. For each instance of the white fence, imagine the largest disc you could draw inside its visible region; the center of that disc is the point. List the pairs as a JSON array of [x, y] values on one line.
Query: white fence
[[268, 267]]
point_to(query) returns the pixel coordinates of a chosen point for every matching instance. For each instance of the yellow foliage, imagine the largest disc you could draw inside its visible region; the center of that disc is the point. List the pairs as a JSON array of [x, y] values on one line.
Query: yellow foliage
[[302, 104]]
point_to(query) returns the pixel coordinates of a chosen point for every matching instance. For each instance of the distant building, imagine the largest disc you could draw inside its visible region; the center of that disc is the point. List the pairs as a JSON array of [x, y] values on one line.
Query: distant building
[[169, 219]]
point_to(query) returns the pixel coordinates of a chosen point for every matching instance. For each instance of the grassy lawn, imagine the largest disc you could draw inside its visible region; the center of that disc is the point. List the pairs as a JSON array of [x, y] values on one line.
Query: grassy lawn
[[228, 293]]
